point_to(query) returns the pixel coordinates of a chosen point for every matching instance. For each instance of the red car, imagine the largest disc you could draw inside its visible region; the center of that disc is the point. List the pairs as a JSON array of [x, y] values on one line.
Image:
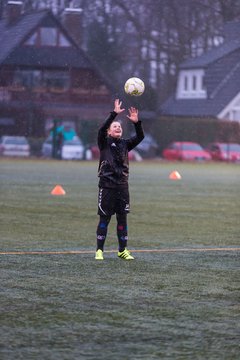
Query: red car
[[185, 150], [224, 151]]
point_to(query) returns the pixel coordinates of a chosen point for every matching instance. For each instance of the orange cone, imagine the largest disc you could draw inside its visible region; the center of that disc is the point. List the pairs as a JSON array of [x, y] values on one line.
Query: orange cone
[[175, 175], [58, 190]]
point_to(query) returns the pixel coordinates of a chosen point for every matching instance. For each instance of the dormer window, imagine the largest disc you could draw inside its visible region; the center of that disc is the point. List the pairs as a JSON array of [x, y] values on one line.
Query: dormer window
[[191, 85], [48, 36], [185, 83], [194, 83]]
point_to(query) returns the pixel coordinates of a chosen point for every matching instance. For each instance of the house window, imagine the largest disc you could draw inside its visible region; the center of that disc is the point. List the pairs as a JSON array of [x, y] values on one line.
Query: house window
[[56, 80], [191, 84], [48, 36], [185, 83], [236, 115], [27, 78], [7, 121], [38, 79], [194, 83], [202, 82]]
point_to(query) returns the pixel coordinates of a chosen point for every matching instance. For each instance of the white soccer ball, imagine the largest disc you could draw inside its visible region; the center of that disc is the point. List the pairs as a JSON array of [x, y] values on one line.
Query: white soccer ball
[[134, 86]]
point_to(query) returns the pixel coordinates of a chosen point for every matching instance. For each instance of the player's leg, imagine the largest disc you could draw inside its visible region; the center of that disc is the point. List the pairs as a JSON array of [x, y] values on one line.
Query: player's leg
[[105, 211], [102, 229], [123, 209], [122, 232]]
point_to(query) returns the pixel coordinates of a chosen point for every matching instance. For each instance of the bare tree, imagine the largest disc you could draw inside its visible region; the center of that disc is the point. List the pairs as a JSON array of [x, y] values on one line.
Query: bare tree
[[146, 38]]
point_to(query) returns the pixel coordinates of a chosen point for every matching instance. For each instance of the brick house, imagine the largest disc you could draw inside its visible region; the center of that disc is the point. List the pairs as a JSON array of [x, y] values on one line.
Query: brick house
[[45, 75]]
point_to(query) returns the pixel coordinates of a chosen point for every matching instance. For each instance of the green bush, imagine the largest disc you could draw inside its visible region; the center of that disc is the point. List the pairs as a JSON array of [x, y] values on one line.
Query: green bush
[[202, 131]]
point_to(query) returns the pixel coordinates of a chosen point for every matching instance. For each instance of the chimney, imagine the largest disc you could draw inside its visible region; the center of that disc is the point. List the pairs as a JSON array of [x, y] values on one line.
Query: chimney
[[14, 11], [72, 20]]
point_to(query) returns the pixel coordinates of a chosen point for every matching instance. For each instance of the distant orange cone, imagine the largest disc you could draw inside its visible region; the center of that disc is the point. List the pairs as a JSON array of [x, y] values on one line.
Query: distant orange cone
[[175, 175], [58, 190]]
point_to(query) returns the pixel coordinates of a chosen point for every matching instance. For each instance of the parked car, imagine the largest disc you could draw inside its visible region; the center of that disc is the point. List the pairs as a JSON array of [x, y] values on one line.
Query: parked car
[[71, 149], [14, 146], [148, 147], [185, 150], [224, 151]]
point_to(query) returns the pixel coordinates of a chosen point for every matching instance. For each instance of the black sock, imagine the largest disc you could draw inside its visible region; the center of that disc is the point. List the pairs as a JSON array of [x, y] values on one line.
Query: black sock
[[122, 232], [102, 231]]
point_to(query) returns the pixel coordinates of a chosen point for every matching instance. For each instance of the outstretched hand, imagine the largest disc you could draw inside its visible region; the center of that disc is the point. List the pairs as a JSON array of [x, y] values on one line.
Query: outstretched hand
[[117, 106], [133, 114]]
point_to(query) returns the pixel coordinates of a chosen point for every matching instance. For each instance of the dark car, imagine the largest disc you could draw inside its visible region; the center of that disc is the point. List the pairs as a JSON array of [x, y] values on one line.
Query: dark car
[[185, 150], [224, 151], [148, 147]]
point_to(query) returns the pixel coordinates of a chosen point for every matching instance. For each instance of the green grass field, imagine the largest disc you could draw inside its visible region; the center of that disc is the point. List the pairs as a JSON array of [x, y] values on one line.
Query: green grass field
[[178, 302]]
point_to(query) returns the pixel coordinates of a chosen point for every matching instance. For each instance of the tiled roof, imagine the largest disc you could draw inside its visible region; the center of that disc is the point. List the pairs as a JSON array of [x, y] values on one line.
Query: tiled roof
[[188, 107], [47, 57], [211, 56], [12, 36]]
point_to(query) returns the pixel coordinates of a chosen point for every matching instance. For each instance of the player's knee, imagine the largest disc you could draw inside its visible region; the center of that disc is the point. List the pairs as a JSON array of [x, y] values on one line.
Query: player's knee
[[122, 227], [104, 221]]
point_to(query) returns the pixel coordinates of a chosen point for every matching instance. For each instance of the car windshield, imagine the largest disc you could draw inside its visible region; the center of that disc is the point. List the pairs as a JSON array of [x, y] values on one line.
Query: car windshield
[[16, 141], [192, 147], [72, 142], [230, 147]]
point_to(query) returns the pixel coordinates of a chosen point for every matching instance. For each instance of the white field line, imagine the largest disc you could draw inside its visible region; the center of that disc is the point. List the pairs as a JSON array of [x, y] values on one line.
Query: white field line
[[73, 252]]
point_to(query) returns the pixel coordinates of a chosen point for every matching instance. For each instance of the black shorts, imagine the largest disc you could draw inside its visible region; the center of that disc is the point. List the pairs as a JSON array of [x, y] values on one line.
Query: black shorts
[[111, 201]]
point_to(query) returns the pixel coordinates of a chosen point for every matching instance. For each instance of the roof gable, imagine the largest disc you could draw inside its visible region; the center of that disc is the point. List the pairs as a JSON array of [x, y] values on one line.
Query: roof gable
[[212, 106], [221, 69], [14, 52], [13, 36], [232, 110]]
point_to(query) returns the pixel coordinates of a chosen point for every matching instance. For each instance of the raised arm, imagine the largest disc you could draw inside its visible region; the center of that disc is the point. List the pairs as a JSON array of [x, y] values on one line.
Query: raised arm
[[117, 106], [135, 140], [133, 114], [102, 133]]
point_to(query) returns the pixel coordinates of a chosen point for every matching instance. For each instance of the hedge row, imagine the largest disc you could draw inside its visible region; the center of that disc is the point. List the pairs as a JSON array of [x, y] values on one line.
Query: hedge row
[[202, 131]]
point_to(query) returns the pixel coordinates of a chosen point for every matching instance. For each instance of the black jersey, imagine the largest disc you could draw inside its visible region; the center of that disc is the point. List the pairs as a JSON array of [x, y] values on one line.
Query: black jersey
[[113, 168]]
